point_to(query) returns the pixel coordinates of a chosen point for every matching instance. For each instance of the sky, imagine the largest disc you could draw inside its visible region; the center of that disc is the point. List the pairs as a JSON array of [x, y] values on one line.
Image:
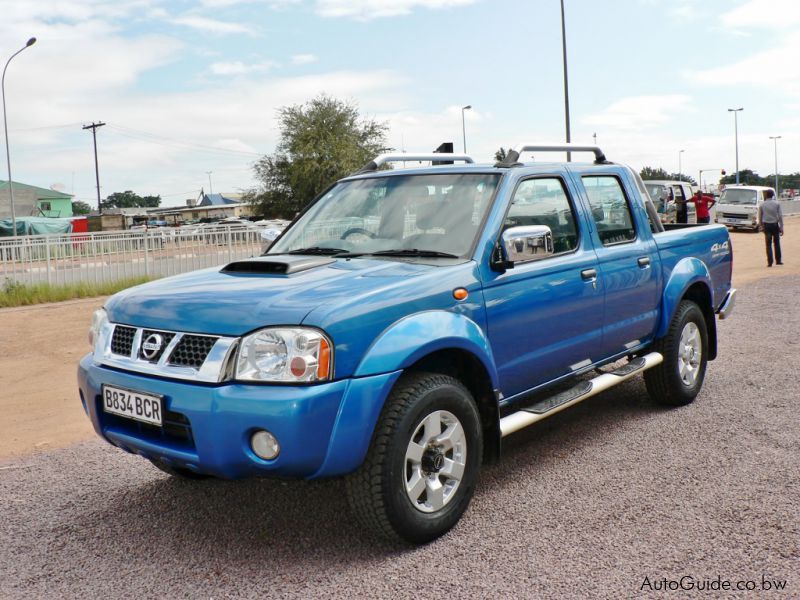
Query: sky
[[187, 88]]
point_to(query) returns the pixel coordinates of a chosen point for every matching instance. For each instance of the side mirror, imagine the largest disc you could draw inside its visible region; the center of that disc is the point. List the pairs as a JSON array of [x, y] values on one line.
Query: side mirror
[[524, 244], [598, 214]]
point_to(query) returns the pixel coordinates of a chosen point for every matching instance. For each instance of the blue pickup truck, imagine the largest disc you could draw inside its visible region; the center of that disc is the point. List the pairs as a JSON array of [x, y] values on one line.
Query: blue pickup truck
[[406, 322]]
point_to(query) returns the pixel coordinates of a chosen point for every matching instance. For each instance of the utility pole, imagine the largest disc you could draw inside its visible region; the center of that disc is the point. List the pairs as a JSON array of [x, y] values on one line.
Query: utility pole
[[94, 127]]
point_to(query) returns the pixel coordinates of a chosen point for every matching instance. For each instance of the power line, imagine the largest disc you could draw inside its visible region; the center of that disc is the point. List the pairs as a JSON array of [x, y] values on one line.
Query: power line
[[154, 138], [44, 127]]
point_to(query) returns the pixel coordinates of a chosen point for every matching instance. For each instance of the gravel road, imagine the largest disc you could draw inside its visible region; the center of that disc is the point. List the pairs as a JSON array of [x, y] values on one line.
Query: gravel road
[[587, 504]]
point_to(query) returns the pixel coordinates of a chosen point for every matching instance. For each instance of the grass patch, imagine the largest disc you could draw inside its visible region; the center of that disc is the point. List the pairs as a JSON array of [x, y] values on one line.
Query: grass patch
[[13, 293]]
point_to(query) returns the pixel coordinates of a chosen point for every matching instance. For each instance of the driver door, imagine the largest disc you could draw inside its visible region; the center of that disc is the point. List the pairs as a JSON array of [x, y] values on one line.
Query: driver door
[[545, 315]]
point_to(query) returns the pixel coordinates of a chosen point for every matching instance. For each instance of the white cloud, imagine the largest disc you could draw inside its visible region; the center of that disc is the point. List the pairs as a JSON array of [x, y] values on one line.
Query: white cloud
[[371, 9], [774, 68], [212, 26], [303, 59], [766, 14], [639, 112], [239, 68], [275, 4], [238, 119]]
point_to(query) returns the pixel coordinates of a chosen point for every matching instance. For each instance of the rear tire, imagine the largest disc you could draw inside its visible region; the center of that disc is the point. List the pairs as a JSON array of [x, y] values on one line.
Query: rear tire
[[677, 380], [422, 465]]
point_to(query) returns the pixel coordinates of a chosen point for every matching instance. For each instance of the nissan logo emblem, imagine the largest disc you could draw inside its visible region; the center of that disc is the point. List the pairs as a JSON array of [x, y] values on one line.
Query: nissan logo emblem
[[152, 345]]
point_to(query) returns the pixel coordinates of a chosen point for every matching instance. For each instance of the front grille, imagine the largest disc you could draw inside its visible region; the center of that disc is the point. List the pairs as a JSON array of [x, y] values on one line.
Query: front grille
[[176, 429], [192, 350], [122, 340], [166, 338], [168, 353], [736, 216]]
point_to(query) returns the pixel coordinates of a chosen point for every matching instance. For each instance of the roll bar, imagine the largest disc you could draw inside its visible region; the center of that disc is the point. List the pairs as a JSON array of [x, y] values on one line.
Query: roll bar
[[513, 154], [382, 159]]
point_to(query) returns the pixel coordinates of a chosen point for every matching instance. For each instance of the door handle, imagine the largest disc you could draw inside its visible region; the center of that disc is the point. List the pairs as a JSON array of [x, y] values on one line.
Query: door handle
[[589, 274], [644, 261]]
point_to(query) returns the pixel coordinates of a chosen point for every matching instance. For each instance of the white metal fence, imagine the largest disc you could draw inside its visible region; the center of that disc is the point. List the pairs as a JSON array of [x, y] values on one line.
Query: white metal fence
[[111, 256]]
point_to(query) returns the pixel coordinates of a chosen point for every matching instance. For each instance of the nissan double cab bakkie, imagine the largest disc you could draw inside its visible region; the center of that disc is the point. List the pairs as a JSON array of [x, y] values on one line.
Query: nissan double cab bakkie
[[405, 323]]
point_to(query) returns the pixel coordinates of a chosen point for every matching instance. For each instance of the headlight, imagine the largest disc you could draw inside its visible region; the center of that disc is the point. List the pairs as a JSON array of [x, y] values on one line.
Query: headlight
[[282, 354], [99, 318]]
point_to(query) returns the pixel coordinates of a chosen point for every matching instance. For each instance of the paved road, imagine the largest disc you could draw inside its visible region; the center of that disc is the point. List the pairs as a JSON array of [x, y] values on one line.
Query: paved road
[[587, 504]]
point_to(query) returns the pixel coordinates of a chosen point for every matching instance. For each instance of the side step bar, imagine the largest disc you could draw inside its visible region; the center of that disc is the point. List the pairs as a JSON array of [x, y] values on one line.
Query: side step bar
[[549, 406]]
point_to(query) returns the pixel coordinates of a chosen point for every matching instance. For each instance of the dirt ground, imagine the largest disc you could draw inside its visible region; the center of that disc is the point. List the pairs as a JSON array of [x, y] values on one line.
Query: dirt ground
[[40, 347]]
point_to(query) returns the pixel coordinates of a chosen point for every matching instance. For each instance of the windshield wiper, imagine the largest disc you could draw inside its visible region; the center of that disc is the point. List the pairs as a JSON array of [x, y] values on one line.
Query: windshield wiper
[[316, 250], [401, 252]]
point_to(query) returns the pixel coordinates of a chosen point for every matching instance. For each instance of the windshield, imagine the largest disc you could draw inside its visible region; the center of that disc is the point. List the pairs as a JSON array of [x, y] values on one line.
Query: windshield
[[656, 190], [732, 196], [437, 213]]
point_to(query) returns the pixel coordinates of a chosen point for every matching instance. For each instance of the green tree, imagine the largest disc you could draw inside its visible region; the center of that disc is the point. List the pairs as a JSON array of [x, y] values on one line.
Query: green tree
[[648, 173], [80, 208], [748, 177], [129, 199], [320, 142], [652, 173]]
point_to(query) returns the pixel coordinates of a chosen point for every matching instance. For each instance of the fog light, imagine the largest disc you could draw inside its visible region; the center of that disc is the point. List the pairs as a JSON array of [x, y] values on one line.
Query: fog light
[[264, 445]]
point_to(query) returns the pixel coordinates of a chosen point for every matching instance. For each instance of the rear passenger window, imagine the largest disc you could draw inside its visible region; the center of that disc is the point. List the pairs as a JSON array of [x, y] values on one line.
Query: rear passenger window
[[610, 209], [544, 202]]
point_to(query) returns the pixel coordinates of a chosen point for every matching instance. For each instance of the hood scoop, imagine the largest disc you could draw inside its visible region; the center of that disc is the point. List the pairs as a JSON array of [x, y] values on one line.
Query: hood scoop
[[277, 265]]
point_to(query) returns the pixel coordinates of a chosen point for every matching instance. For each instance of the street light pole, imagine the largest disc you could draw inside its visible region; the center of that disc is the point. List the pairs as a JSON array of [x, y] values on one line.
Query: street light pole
[[463, 125], [735, 112], [210, 189], [775, 138], [566, 79], [680, 172], [28, 44]]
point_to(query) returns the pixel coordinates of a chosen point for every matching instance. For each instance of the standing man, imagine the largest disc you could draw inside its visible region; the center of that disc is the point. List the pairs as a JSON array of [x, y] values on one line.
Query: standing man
[[770, 220], [681, 211], [703, 202]]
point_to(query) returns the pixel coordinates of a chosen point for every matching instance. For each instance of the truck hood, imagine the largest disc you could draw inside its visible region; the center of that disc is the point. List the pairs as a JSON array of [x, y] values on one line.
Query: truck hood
[[269, 290]]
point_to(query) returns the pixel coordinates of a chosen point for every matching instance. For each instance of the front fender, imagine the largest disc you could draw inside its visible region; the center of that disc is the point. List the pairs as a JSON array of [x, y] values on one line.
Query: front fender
[[397, 348], [418, 335], [686, 273]]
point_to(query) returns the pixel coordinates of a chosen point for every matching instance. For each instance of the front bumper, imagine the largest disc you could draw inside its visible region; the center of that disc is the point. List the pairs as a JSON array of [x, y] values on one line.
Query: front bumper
[[324, 430]]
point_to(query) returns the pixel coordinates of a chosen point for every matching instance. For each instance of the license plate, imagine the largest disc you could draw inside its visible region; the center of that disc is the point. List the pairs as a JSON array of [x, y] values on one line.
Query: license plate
[[146, 408]]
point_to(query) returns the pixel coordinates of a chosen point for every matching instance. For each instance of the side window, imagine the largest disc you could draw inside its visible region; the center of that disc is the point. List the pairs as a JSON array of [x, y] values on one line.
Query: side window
[[610, 209], [544, 202]]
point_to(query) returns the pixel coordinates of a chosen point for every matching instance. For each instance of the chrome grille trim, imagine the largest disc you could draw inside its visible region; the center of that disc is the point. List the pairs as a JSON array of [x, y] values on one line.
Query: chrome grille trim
[[211, 371]]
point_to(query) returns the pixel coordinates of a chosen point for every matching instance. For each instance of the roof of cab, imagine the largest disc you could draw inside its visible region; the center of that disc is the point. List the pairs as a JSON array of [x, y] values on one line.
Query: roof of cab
[[485, 168]]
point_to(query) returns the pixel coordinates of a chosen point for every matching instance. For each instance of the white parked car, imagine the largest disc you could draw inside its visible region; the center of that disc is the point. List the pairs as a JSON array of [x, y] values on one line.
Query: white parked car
[[270, 232], [738, 206], [665, 193]]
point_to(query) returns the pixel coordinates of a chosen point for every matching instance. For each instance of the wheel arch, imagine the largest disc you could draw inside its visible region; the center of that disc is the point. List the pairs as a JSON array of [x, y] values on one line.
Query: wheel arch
[[690, 280], [436, 341], [449, 343], [469, 370]]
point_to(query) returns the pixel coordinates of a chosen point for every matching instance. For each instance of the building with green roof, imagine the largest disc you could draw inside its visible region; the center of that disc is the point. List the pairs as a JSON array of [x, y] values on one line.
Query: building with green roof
[[34, 201]]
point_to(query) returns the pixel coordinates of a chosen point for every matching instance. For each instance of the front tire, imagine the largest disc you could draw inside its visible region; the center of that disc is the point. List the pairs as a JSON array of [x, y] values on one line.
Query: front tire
[[677, 380], [422, 465]]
